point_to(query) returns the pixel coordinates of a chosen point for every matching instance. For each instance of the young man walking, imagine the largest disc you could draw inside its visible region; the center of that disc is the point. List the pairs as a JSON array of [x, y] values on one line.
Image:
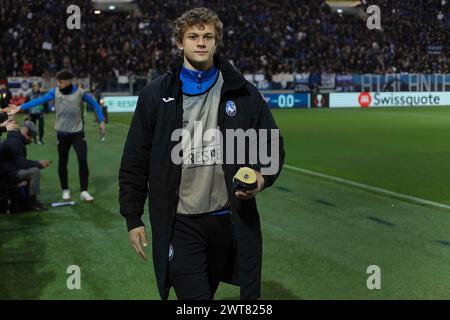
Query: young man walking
[[203, 231]]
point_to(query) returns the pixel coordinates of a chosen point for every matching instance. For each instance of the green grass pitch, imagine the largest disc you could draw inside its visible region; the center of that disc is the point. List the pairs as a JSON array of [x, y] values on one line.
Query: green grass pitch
[[319, 236]]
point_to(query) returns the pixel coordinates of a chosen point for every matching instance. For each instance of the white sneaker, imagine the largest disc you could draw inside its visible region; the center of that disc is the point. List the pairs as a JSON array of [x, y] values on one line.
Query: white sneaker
[[66, 194], [85, 196]]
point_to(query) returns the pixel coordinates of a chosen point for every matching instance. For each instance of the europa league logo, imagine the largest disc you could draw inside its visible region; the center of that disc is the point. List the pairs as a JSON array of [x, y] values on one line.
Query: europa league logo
[[319, 101]]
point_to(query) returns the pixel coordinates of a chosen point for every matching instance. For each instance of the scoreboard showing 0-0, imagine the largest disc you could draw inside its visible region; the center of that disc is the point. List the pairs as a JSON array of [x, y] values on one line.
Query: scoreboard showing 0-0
[[287, 100]]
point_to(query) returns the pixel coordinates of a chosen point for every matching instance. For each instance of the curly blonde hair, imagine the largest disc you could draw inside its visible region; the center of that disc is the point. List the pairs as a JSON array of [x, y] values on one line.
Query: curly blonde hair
[[197, 17]]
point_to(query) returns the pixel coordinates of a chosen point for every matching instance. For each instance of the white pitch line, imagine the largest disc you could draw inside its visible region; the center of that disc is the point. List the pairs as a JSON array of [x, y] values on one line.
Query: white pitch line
[[120, 125], [370, 188]]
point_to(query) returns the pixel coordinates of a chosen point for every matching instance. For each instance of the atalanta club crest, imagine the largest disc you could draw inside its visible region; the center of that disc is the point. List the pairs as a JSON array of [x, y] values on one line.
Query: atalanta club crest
[[230, 108], [171, 251]]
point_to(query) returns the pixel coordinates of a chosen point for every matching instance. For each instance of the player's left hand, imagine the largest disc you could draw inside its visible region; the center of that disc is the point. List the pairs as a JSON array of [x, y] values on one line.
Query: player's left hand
[[102, 126], [6, 123], [245, 195]]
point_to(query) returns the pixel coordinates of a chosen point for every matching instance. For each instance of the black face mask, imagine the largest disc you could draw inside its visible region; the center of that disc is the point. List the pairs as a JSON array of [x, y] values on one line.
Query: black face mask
[[67, 90]]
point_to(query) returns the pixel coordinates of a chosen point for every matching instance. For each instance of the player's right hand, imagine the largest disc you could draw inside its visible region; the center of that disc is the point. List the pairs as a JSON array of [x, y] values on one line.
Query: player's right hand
[[11, 110], [137, 237], [44, 163]]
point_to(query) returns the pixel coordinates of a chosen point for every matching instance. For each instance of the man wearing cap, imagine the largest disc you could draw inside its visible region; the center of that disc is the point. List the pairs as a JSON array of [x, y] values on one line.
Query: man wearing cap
[[69, 126], [14, 165]]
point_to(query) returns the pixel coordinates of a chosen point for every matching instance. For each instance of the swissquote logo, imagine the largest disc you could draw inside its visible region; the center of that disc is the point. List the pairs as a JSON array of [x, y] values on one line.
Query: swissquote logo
[[364, 99]]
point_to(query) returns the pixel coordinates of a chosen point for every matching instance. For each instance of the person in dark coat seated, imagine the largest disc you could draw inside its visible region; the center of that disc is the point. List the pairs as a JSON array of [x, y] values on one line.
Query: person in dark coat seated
[[14, 165]]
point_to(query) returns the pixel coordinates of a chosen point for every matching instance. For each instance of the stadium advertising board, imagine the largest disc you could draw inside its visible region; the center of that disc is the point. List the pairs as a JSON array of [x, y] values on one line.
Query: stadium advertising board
[[274, 100], [415, 82], [121, 103], [395, 82], [287, 100], [389, 99]]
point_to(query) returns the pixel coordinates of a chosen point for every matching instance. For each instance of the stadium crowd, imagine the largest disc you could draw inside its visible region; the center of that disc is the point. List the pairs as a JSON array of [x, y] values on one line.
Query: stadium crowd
[[270, 37]]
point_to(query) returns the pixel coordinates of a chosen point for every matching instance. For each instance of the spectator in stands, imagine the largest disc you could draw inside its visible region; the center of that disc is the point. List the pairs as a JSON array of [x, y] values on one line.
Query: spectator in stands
[[15, 167], [5, 94], [314, 81], [259, 33], [27, 67]]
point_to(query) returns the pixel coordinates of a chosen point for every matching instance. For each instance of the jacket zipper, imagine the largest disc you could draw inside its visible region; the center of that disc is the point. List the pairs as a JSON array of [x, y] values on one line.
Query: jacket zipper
[[178, 124]]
